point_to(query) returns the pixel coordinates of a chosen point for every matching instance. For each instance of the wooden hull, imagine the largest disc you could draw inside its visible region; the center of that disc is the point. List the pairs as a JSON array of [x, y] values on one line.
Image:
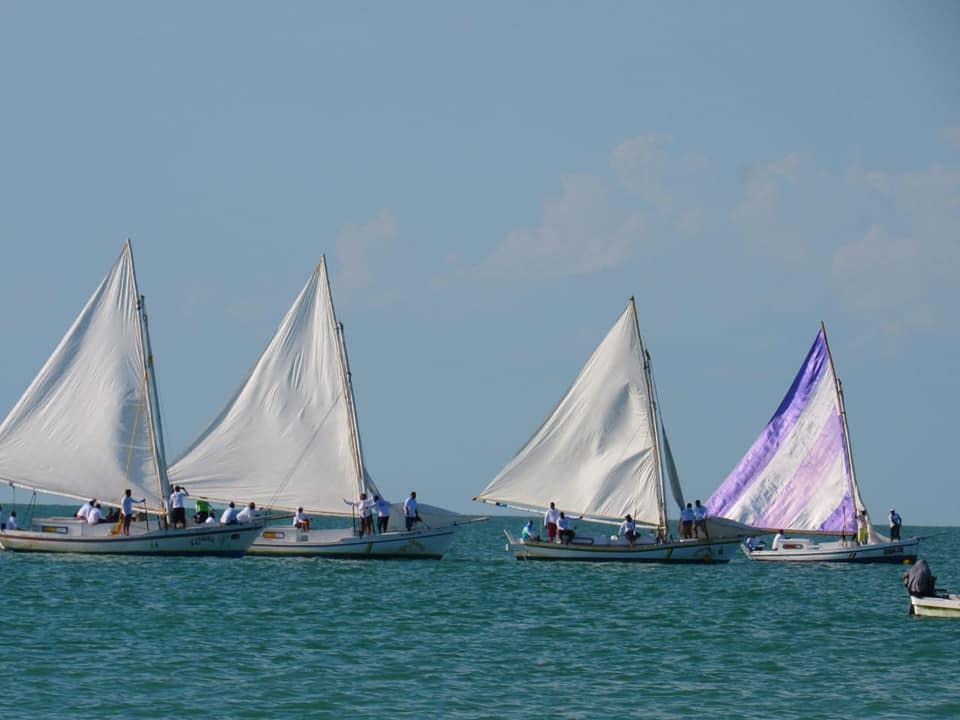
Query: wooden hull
[[935, 606], [413, 545], [806, 550], [602, 550], [67, 535]]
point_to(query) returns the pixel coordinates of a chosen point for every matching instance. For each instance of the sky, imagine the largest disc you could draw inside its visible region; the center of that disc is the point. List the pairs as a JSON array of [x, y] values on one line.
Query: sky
[[490, 183]]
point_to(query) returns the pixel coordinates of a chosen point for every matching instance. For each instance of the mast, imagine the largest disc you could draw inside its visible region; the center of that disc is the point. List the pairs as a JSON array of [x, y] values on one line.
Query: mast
[[855, 489], [346, 380], [652, 416], [154, 424]]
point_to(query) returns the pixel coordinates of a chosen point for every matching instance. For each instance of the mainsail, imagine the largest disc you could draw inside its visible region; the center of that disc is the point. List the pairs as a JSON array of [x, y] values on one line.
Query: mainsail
[[798, 475], [85, 426], [597, 454], [288, 437]]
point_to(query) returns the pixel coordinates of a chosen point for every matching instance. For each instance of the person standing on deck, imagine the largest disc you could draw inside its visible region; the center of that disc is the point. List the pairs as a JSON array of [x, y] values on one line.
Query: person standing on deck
[[863, 528], [410, 513], [126, 510], [383, 513], [895, 523], [550, 518], [178, 515], [700, 520], [686, 522], [365, 506]]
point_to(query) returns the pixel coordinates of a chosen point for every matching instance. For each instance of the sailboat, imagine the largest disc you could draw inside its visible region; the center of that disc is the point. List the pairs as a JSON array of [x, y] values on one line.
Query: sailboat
[[88, 426], [602, 454], [798, 477], [288, 438]]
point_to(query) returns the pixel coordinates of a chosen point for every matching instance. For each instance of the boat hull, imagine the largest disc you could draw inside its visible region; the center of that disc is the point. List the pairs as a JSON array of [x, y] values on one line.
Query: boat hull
[[66, 535], [590, 550], [429, 544], [805, 550], [935, 606]]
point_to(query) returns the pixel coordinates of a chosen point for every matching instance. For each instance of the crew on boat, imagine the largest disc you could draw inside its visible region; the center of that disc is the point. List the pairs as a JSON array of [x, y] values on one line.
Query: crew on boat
[[248, 514], [12, 521], [365, 506], [529, 532], [628, 529], [229, 516], [178, 514], [95, 515], [777, 541], [895, 523], [85, 509], [550, 518], [126, 510], [686, 522], [565, 532], [382, 506], [300, 520], [700, 520], [410, 513], [863, 528]]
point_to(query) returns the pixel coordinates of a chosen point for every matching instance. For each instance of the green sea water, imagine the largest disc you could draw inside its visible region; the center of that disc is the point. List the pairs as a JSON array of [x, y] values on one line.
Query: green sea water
[[475, 635]]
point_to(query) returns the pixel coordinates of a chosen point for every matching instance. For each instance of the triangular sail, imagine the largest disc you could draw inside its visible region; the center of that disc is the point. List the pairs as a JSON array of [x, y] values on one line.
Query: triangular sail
[[797, 475], [82, 428], [596, 453], [287, 436]]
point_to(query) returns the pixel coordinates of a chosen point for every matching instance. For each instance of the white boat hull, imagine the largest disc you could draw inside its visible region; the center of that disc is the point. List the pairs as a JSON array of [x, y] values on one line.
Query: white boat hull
[[603, 550], [68, 535], [807, 550], [340, 543], [948, 606]]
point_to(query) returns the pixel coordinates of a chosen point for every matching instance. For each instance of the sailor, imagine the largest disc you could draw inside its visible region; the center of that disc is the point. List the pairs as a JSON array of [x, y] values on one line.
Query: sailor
[[777, 540], [564, 531], [248, 514], [529, 532], [211, 518], [863, 528], [628, 529], [365, 506], [895, 523], [202, 513], [12, 521], [383, 513], [700, 520], [84, 510], [686, 522], [550, 518], [95, 515], [126, 510], [178, 515], [410, 513], [300, 520], [229, 516]]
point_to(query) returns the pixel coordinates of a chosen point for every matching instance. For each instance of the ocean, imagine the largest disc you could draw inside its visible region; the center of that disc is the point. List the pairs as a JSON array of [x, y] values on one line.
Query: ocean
[[475, 635]]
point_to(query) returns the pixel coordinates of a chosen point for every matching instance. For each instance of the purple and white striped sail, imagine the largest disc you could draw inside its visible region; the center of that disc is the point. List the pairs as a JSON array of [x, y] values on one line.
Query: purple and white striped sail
[[798, 474]]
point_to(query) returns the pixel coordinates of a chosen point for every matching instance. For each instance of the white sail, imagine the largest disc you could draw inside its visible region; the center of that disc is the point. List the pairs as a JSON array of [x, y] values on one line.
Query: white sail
[[82, 429], [287, 437], [596, 454]]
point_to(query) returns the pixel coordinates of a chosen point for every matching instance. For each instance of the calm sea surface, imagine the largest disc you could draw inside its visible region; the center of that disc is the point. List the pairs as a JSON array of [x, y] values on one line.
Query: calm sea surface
[[476, 635]]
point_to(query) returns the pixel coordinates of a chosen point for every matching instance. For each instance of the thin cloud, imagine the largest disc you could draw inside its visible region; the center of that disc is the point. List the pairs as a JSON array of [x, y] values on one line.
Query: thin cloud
[[365, 253]]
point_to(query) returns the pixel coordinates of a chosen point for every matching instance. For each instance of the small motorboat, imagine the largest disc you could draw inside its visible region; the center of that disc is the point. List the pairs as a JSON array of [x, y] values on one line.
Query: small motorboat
[[925, 598]]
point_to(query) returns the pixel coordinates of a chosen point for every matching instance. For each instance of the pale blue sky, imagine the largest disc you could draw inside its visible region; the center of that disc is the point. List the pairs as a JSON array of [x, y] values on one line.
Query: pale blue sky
[[490, 183]]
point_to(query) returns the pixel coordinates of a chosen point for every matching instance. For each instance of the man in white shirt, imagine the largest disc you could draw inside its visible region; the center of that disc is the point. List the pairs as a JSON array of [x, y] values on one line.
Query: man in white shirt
[[686, 522], [700, 521], [550, 518], [229, 516], [410, 513], [300, 520], [84, 510], [247, 514], [365, 506], [211, 518], [628, 529], [777, 541], [95, 515], [383, 513], [178, 515], [564, 531], [126, 510], [12, 520]]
